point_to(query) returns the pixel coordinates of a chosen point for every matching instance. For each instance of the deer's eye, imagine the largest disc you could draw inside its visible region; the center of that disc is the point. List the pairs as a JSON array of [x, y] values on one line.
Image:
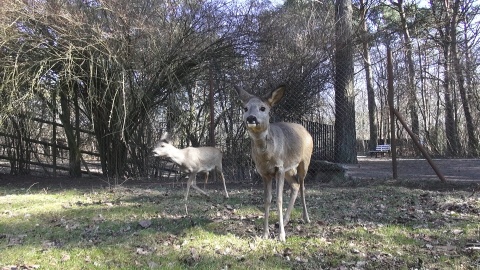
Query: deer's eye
[[262, 109], [245, 109]]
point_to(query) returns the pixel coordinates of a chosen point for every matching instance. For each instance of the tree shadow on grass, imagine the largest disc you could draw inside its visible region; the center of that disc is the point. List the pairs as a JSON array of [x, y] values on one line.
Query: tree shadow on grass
[[149, 225]]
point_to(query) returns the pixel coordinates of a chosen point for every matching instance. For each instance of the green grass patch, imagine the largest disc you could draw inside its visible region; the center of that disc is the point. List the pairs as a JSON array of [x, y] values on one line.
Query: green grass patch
[[143, 227]]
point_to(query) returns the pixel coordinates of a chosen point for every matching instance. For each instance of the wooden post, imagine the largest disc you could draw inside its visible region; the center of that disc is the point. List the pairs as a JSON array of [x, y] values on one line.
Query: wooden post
[[54, 133], [419, 146], [404, 124], [212, 111], [212, 118]]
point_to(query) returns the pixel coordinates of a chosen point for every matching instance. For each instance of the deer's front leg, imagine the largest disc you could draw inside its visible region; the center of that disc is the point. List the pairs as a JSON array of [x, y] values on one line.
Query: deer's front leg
[[193, 183], [191, 179], [280, 176], [267, 183]]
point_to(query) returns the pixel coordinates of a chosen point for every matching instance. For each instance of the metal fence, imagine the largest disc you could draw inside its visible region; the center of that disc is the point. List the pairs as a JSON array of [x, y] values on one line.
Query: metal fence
[[32, 150], [40, 146]]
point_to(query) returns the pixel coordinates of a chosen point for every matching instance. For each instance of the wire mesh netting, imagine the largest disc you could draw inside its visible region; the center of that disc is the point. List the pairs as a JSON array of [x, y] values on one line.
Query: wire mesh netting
[[98, 102]]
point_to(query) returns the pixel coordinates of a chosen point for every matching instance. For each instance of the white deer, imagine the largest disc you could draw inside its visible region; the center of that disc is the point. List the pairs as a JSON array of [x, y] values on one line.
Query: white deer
[[280, 151], [192, 160]]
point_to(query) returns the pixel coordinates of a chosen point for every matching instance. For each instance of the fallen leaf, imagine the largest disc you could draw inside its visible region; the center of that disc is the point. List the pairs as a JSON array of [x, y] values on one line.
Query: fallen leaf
[[145, 223], [65, 257], [194, 254], [99, 218], [300, 259], [152, 265], [143, 251], [446, 248], [457, 231]]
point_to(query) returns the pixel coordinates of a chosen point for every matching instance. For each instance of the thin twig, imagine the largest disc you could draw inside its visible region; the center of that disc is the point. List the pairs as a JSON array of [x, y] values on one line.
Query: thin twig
[[28, 190]]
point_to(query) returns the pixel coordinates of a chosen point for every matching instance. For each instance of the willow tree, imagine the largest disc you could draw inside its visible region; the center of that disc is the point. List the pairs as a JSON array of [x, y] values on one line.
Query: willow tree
[[149, 50], [114, 62], [35, 62]]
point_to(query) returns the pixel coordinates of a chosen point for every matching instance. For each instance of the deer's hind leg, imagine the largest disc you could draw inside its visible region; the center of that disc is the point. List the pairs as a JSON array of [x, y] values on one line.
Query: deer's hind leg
[[280, 176], [294, 187], [302, 173], [206, 180]]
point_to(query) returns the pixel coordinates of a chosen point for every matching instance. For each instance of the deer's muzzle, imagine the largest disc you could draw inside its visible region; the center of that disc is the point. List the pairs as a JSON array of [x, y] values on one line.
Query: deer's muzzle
[[252, 121]]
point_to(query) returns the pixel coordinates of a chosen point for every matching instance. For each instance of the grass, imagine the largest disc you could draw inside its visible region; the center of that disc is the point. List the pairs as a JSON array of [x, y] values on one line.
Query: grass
[[146, 226]]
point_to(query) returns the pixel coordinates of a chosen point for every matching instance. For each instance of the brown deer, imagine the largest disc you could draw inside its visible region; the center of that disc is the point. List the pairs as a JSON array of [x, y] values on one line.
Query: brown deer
[[280, 151], [192, 160]]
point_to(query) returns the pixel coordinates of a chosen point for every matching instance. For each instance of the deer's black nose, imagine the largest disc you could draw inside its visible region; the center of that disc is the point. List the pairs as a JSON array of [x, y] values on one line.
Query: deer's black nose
[[251, 119]]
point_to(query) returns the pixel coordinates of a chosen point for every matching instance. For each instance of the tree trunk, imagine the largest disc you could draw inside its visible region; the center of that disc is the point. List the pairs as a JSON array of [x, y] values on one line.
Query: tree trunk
[[450, 124], [345, 134], [412, 93], [441, 12], [73, 150], [368, 78], [472, 139]]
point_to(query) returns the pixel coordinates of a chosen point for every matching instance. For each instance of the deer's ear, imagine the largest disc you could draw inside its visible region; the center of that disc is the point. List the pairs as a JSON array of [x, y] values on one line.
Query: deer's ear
[[242, 94], [275, 96], [165, 137]]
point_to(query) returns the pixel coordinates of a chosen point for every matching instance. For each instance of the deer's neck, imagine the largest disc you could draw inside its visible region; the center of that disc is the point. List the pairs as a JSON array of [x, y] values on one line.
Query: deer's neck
[[260, 140], [178, 156]]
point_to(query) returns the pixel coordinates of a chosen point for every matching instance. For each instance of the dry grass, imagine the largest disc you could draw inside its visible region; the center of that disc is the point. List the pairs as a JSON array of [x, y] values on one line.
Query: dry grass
[[145, 226]]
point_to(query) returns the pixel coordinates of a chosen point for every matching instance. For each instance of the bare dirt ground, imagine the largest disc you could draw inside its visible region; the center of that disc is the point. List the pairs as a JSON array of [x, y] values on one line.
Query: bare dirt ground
[[459, 173], [458, 170]]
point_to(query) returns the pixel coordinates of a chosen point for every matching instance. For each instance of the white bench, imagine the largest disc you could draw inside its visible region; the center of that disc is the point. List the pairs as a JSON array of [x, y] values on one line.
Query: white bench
[[381, 149]]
